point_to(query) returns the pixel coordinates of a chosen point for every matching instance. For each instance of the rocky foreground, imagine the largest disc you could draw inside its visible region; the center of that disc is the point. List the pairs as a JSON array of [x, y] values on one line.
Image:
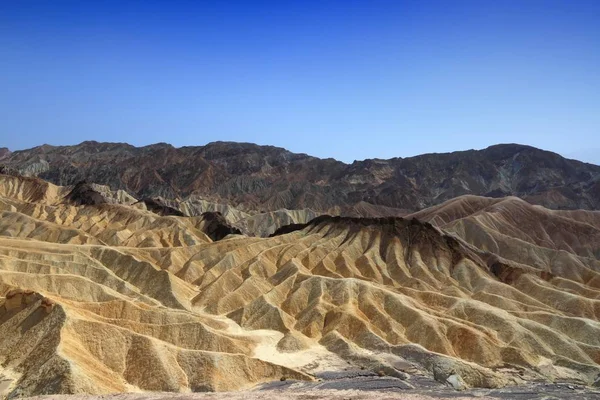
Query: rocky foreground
[[363, 388]]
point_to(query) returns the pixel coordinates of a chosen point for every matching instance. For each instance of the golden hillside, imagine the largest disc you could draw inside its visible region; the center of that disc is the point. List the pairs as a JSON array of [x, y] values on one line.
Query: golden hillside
[[113, 297]]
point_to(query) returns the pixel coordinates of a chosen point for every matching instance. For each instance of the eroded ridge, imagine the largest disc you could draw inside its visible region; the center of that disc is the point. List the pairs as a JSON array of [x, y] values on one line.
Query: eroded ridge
[[98, 298]]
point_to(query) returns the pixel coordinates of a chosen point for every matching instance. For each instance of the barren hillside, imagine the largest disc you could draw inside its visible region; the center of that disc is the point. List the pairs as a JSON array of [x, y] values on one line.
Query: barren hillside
[[100, 294], [265, 178]]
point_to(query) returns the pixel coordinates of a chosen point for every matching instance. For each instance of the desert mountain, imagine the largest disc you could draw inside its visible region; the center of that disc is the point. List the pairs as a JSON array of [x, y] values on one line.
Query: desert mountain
[[4, 153], [264, 178], [98, 293]]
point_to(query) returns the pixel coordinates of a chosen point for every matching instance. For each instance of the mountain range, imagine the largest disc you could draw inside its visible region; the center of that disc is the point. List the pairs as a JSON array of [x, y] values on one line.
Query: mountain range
[[256, 178], [159, 269]]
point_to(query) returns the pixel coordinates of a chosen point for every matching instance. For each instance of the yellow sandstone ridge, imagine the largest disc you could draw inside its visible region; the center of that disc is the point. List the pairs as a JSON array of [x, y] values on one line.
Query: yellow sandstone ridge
[[114, 298]]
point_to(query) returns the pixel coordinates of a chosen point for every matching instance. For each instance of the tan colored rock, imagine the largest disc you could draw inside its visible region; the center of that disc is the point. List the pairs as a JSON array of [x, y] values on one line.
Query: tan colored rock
[[114, 298]]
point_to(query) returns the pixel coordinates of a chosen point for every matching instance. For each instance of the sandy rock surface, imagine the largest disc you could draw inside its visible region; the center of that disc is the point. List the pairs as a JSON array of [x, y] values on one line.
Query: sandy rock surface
[[105, 297]]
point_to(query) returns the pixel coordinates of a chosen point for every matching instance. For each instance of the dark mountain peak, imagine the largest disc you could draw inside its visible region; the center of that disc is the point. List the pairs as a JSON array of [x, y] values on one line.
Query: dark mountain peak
[[102, 146], [160, 145], [508, 150], [85, 147], [232, 149], [511, 147], [4, 152], [83, 193], [217, 227], [45, 148], [502, 150]]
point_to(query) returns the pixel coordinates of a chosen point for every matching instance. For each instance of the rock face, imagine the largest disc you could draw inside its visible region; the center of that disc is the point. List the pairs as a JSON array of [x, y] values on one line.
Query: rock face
[[265, 178], [216, 226], [84, 194], [4, 153], [104, 298], [157, 206]]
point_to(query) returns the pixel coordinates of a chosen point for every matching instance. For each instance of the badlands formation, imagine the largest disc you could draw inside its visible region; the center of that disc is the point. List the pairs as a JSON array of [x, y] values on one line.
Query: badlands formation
[[101, 292]]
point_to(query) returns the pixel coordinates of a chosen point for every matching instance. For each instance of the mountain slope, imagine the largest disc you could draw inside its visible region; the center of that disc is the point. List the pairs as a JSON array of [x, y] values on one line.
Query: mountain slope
[[265, 178], [97, 298]]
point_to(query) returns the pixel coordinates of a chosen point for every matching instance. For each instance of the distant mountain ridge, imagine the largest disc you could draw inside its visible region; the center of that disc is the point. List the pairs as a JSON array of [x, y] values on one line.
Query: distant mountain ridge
[[266, 178]]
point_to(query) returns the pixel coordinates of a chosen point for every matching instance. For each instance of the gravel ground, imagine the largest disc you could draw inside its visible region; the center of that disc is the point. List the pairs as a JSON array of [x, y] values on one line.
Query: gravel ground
[[363, 385], [366, 385], [253, 395]]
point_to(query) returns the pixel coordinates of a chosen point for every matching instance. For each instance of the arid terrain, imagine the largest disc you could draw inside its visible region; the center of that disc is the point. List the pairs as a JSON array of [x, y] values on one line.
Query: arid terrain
[[130, 282], [265, 178]]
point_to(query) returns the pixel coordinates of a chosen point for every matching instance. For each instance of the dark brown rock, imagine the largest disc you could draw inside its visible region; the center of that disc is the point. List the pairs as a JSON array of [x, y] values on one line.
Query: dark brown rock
[[84, 194], [253, 177], [217, 227], [158, 207]]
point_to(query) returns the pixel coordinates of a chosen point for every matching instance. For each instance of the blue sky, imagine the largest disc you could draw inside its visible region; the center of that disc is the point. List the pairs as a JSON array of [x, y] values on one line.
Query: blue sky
[[344, 79]]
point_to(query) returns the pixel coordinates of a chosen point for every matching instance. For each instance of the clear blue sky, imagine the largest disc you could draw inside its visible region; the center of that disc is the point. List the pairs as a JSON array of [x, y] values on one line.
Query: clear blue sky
[[344, 79]]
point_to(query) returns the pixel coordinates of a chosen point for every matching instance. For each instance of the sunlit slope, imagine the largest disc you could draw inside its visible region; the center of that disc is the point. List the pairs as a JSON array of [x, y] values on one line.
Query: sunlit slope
[[112, 297], [80, 312], [563, 243], [383, 284]]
